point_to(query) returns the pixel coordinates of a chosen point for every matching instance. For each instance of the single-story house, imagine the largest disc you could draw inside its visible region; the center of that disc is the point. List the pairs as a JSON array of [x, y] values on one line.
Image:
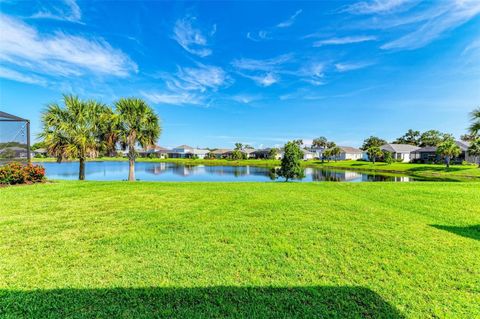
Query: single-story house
[[14, 152], [220, 153], [155, 150], [200, 153], [350, 153], [265, 153], [307, 155], [429, 154], [400, 151], [40, 152], [248, 152]]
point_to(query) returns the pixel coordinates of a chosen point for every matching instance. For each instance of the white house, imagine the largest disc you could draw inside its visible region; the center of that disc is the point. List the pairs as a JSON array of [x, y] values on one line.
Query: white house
[[400, 151], [307, 155], [350, 153]]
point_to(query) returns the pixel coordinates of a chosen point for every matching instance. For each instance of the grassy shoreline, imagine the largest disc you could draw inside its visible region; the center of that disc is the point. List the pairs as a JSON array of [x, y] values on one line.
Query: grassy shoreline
[[177, 250], [460, 172]]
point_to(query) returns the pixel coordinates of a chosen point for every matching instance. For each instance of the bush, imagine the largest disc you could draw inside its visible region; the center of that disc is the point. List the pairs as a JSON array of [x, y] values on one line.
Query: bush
[[16, 173]]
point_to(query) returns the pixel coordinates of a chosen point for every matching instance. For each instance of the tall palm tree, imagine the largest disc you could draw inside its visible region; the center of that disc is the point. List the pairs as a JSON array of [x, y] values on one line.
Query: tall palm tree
[[109, 130], [138, 124], [71, 131], [448, 149], [475, 127]]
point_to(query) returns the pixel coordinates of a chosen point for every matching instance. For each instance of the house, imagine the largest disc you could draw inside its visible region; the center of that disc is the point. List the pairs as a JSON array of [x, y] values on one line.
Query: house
[[40, 152], [248, 153], [14, 152], [220, 153], [265, 153], [200, 153], [307, 155], [429, 154], [154, 151], [400, 152], [350, 153]]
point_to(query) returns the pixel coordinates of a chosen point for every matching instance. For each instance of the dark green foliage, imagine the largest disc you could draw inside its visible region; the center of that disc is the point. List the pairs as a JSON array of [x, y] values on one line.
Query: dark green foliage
[[374, 152], [411, 137], [290, 167], [371, 142]]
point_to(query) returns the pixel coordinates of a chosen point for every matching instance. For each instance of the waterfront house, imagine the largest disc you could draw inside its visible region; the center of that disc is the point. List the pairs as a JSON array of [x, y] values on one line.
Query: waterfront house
[[220, 153], [350, 153], [429, 154], [400, 152]]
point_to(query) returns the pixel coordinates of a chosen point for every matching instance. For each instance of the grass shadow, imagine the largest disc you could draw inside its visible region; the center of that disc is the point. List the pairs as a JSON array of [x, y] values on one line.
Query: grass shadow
[[208, 302], [467, 231], [438, 169]]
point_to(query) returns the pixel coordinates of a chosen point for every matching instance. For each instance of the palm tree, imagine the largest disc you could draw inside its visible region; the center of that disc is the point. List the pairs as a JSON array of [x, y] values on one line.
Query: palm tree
[[335, 151], [109, 130], [72, 131], [374, 152], [474, 150], [475, 127], [138, 124], [448, 149]]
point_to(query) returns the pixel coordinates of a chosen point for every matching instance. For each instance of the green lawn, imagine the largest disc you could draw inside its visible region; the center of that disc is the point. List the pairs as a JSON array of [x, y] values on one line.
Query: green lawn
[[253, 250]]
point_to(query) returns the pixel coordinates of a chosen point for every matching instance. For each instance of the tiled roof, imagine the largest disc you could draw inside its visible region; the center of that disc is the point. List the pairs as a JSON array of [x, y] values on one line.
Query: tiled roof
[[399, 148]]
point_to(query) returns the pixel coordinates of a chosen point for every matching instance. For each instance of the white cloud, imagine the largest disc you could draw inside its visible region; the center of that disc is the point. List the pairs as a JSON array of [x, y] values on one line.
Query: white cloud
[[287, 23], [376, 6], [71, 13], [345, 67], [173, 98], [19, 77], [190, 38], [258, 36], [344, 40], [261, 65], [451, 15], [266, 80], [59, 54], [245, 98]]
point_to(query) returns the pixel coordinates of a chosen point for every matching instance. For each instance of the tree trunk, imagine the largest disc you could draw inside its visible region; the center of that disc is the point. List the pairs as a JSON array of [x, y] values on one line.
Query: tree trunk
[[81, 171], [131, 171], [447, 160]]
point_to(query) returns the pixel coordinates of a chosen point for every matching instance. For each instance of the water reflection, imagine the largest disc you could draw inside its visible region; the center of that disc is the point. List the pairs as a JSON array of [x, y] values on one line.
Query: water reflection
[[177, 172]]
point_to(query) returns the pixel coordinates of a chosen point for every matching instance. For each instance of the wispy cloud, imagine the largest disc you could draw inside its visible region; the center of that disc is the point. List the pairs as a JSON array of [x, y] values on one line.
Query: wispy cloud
[[448, 17], [262, 65], [69, 12], [290, 21], [267, 33], [173, 98], [345, 67], [19, 77], [344, 40], [376, 6], [58, 54], [192, 39], [265, 79], [190, 85], [245, 98]]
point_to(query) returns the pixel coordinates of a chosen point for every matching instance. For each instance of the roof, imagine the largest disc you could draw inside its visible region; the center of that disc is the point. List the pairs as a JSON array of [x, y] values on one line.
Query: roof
[[184, 146], [432, 149], [463, 145], [221, 151], [9, 117], [351, 150], [40, 150], [308, 152], [248, 150], [399, 148], [157, 148]]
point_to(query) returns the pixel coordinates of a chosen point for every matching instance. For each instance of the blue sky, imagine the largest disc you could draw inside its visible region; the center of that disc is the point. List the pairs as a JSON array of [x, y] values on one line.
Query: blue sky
[[259, 73]]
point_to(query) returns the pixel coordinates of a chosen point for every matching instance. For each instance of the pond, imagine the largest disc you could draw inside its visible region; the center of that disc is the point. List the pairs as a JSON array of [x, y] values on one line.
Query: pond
[[109, 171]]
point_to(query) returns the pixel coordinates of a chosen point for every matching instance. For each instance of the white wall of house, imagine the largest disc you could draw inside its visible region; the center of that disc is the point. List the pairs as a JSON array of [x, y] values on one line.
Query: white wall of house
[[350, 156], [200, 153]]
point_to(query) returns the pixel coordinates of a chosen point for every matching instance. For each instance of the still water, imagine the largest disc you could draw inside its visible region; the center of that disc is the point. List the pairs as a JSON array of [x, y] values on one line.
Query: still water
[[109, 171]]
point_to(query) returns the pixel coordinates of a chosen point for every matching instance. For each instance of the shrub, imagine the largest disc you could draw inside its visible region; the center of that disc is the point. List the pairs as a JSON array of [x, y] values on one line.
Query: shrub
[[16, 173]]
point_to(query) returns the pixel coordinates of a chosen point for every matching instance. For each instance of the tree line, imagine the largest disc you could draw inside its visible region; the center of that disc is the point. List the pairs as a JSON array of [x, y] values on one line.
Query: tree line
[[81, 129]]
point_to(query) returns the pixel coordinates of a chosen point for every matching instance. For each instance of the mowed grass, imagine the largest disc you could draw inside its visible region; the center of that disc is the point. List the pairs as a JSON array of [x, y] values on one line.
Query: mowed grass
[[252, 250]]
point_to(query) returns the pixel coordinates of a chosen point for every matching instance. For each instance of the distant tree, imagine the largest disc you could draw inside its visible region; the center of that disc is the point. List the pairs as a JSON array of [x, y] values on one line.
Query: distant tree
[[272, 153], [138, 125], [372, 141], [468, 137], [320, 142], [237, 154], [238, 146], [474, 150], [334, 152], [210, 155], [290, 167], [327, 154], [374, 152], [433, 138], [388, 158], [72, 131], [411, 137], [298, 142], [475, 126], [448, 149], [331, 144], [246, 146], [38, 145]]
